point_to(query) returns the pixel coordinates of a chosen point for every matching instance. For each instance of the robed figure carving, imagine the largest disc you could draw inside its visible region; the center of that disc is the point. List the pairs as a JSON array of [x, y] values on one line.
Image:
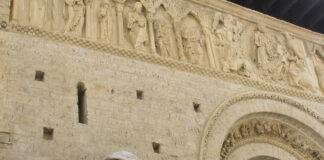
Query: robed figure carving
[[75, 17], [137, 27], [163, 37], [105, 22], [192, 45]]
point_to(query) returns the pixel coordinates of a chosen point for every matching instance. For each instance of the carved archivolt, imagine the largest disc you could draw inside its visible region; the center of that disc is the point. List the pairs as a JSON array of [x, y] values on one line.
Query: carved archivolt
[[273, 132], [220, 109]]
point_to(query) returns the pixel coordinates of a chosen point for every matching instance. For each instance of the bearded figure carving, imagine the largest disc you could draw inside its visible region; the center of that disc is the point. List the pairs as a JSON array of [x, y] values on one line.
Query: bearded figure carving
[[192, 44]]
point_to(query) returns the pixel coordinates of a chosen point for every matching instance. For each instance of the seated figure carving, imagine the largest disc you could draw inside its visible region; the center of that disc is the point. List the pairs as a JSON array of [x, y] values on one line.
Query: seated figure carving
[[298, 72], [227, 34]]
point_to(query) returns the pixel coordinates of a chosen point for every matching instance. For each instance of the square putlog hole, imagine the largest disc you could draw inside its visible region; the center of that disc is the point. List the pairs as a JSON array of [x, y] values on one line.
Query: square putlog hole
[[39, 76], [48, 133], [140, 94], [196, 107], [156, 147]]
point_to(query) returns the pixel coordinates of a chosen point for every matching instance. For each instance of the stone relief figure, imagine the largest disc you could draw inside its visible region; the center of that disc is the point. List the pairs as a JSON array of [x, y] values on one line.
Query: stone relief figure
[[37, 12], [75, 17], [163, 37], [105, 23], [137, 27], [263, 47], [278, 64], [298, 72], [192, 45], [227, 32]]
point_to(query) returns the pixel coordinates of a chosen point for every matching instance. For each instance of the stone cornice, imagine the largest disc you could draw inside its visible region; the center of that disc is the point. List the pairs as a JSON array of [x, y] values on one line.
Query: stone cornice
[[180, 65]]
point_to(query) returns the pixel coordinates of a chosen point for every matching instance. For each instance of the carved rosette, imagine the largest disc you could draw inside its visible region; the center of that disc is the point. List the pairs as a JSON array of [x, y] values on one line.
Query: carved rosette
[[257, 130]]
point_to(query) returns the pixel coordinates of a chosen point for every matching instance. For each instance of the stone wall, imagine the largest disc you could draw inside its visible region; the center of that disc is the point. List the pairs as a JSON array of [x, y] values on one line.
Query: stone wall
[[186, 111]]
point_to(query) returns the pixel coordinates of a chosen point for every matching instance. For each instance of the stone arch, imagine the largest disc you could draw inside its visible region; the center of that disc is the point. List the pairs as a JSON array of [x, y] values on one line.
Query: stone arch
[[222, 118], [270, 152]]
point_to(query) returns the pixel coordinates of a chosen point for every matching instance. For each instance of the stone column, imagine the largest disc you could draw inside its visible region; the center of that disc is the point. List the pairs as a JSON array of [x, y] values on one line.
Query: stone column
[[88, 29], [151, 31], [14, 12], [16, 8], [210, 55], [181, 54], [120, 8]]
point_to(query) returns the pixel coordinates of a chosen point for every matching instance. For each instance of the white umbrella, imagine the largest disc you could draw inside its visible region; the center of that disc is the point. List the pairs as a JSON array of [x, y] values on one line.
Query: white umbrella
[[122, 155]]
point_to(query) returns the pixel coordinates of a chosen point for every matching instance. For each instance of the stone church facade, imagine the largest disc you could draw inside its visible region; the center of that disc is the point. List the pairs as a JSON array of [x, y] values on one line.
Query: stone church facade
[[162, 79]]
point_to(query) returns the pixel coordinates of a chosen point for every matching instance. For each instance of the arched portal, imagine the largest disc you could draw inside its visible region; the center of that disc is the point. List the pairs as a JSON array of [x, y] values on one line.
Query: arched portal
[[233, 126]]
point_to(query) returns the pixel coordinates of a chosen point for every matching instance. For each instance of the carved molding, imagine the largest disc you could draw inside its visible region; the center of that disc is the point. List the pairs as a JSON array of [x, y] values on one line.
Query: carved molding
[[246, 96], [272, 132]]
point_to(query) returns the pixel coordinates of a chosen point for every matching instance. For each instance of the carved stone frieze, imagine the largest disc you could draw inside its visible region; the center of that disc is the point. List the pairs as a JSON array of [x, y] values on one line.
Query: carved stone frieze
[[272, 130], [183, 31]]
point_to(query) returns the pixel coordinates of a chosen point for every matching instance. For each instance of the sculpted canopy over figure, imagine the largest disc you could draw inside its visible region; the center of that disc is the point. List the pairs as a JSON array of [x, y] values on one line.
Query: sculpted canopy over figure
[[192, 44], [38, 12], [137, 27], [105, 22], [75, 17]]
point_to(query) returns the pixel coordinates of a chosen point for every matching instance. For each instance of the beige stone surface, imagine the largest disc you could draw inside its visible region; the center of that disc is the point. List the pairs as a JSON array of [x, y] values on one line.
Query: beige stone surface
[[203, 69]]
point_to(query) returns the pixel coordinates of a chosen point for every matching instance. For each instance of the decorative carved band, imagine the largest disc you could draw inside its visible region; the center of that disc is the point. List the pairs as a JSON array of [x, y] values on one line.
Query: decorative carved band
[[246, 96], [258, 130]]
